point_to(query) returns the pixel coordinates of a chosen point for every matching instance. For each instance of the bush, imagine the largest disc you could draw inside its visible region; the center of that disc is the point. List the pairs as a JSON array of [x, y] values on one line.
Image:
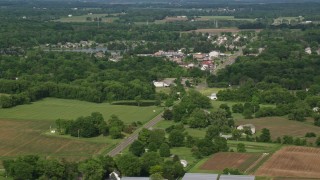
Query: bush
[[310, 134], [237, 108]]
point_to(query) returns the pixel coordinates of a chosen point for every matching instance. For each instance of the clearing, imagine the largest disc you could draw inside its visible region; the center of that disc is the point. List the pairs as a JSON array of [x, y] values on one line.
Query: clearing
[[280, 126], [52, 109], [292, 161]]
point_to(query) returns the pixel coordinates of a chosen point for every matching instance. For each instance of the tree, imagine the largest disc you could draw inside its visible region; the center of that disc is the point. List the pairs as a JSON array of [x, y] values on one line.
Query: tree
[[156, 176], [129, 165], [237, 108], [91, 169], [212, 131], [115, 132], [176, 138], [137, 148], [198, 119], [148, 160], [152, 147], [206, 147], [220, 144], [316, 120], [167, 114], [265, 135], [241, 147], [144, 135], [138, 100], [164, 150]]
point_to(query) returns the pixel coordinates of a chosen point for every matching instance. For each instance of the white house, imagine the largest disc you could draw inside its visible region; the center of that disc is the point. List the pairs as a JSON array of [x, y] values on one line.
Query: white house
[[160, 84], [308, 50], [251, 126], [213, 96]]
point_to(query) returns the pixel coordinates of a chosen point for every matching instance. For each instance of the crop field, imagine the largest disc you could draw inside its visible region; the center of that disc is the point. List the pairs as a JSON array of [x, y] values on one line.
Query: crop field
[[222, 160], [292, 161], [279, 126], [52, 109], [27, 137], [255, 147], [83, 18]]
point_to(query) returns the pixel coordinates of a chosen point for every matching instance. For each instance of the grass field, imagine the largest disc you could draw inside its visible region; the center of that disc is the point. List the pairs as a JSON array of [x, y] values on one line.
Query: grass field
[[293, 161], [52, 109], [83, 18], [280, 126], [28, 137], [255, 147], [25, 129]]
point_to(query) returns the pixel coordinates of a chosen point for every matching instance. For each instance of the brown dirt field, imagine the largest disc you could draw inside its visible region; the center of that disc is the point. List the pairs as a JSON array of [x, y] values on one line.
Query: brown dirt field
[[292, 161], [25, 137], [281, 126], [223, 160]]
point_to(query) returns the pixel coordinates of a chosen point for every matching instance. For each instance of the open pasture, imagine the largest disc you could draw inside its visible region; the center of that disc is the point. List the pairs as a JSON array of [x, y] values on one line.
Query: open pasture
[[280, 126], [52, 109], [27, 137], [292, 161], [222, 160]]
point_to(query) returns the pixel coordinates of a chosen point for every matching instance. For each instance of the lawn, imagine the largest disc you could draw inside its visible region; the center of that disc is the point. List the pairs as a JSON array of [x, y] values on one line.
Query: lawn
[[52, 109], [83, 18]]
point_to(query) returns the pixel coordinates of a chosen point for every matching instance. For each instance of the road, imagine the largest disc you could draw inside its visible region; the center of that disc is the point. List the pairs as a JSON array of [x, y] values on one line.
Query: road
[[230, 60], [129, 140]]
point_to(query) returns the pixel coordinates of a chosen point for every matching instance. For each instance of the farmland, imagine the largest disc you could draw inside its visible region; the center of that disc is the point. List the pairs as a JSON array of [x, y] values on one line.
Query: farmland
[[83, 18], [230, 18], [218, 31], [28, 137], [52, 109], [24, 129], [223, 160], [280, 126], [293, 161]]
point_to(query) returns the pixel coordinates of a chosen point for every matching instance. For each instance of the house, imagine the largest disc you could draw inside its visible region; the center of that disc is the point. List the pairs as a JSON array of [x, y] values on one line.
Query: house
[[251, 126], [200, 176], [160, 84], [226, 136], [213, 96]]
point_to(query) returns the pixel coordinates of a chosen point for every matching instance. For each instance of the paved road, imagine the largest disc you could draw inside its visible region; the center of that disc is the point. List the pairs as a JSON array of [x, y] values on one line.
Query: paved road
[[129, 140]]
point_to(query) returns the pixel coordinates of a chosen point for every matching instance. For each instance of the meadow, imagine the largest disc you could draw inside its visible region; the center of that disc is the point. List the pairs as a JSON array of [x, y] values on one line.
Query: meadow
[[51, 109], [230, 18], [25, 129]]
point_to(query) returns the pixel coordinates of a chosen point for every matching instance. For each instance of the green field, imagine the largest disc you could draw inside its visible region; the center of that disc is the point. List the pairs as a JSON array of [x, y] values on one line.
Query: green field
[[255, 147], [52, 109], [83, 18], [25, 129]]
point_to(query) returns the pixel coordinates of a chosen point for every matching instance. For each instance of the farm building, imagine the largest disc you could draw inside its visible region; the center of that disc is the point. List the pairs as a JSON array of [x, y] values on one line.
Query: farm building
[[251, 126], [160, 84], [236, 177], [199, 176], [213, 96], [184, 163]]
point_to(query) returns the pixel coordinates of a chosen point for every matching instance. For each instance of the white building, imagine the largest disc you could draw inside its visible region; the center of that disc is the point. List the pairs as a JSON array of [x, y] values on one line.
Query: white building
[[214, 54], [251, 126], [308, 50], [160, 84], [213, 96]]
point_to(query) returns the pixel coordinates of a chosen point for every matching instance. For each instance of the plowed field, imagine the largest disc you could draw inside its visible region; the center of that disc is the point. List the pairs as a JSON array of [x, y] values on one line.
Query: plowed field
[[223, 160], [293, 161]]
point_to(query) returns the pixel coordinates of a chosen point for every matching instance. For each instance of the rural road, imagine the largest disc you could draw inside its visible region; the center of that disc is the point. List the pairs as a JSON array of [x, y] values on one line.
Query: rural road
[[129, 140]]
